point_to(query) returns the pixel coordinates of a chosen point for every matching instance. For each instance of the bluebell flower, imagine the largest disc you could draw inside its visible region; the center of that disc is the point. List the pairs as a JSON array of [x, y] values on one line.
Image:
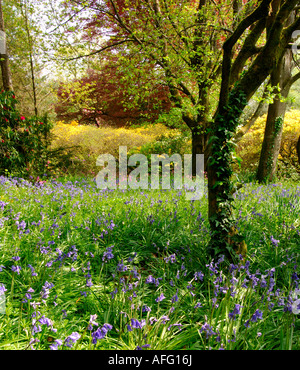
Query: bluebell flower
[[108, 255], [71, 339], [164, 318], [21, 225], [113, 293], [45, 321], [175, 297], [157, 281], [16, 269], [143, 346], [236, 311], [33, 273], [152, 320], [57, 343], [28, 295], [121, 267], [2, 289], [177, 325], [46, 290], [89, 283], [208, 330], [198, 276], [171, 258], [150, 280], [274, 241], [258, 315], [160, 298], [136, 324]]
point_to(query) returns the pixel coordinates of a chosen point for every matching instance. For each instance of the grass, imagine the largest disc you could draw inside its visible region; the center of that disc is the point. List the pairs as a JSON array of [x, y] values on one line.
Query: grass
[[82, 268]]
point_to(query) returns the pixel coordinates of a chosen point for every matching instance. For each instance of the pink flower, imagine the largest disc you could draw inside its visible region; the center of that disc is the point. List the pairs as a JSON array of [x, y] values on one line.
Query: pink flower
[[22, 118]]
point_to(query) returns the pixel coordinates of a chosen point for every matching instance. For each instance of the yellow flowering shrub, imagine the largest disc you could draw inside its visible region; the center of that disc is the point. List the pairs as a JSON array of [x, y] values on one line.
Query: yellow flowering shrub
[[91, 141], [249, 146]]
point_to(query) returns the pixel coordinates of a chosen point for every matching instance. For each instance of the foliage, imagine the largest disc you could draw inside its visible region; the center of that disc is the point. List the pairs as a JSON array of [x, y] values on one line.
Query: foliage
[[21, 47], [87, 269], [170, 143], [24, 141], [102, 97], [250, 145], [167, 44]]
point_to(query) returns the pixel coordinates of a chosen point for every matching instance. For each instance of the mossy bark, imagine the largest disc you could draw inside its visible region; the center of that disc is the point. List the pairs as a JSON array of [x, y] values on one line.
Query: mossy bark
[[280, 76]]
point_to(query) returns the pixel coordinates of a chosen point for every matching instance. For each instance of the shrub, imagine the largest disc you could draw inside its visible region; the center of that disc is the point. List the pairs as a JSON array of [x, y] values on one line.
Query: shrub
[[89, 142], [23, 141], [173, 142]]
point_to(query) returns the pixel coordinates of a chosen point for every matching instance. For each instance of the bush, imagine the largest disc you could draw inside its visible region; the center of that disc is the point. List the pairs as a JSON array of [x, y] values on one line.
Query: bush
[[249, 146], [171, 143], [89, 142], [23, 141]]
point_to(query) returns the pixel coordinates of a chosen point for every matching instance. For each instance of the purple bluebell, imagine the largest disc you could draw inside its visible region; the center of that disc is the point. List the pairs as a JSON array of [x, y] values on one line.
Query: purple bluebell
[[71, 339], [274, 241], [16, 269], [258, 315], [57, 343], [160, 298], [236, 311], [121, 267], [150, 280], [136, 324], [199, 276], [100, 333]]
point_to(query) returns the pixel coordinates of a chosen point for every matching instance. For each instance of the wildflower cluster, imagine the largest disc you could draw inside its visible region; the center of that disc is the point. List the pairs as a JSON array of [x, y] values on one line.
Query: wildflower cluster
[[83, 269]]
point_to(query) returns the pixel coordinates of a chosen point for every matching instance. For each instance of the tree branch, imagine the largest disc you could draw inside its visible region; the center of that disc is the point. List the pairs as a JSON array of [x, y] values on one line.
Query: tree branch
[[248, 50], [99, 51], [257, 14]]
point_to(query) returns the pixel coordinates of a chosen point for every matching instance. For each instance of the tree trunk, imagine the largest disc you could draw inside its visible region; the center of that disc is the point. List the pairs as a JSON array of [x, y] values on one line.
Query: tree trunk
[[25, 14], [4, 63], [198, 147], [275, 118], [224, 236], [271, 142]]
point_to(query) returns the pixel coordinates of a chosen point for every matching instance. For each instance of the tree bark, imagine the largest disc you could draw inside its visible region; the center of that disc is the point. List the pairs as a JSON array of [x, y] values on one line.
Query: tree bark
[[280, 76], [4, 62], [198, 147], [25, 14]]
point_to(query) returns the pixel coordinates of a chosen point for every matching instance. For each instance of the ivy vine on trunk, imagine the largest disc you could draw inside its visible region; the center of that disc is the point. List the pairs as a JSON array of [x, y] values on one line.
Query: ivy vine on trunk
[[224, 236]]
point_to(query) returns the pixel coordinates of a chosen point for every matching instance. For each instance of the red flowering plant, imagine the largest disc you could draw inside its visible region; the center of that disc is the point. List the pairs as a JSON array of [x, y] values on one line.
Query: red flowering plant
[[23, 141]]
